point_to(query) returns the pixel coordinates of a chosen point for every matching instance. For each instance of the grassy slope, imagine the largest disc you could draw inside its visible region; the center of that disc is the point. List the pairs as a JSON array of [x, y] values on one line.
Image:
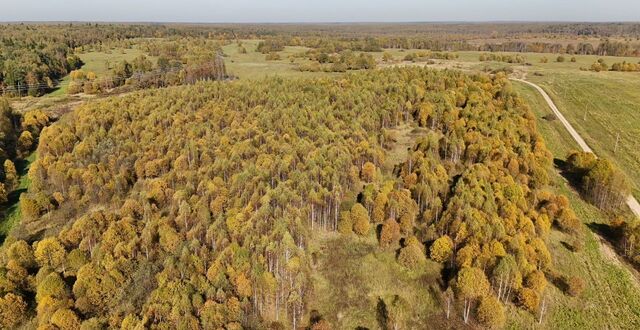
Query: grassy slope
[[612, 295]]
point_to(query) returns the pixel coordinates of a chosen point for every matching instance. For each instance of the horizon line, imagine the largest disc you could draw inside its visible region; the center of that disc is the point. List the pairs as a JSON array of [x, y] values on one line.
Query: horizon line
[[322, 22]]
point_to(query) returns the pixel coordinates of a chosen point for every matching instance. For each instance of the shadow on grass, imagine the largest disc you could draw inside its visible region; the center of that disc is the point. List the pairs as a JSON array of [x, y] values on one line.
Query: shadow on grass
[[382, 315], [559, 282]]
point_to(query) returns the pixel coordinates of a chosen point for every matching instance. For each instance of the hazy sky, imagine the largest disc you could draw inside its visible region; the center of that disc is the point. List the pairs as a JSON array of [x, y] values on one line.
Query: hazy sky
[[318, 10]]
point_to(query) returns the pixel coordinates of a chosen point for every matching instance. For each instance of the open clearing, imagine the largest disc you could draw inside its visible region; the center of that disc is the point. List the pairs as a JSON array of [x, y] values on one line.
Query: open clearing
[[253, 65]]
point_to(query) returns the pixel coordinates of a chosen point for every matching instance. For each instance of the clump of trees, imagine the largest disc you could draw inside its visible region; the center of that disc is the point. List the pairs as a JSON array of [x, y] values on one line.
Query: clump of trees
[[474, 198], [502, 58], [273, 56], [270, 46], [164, 219], [183, 61], [34, 56], [625, 67], [339, 62], [425, 56], [629, 239], [602, 183], [598, 66]]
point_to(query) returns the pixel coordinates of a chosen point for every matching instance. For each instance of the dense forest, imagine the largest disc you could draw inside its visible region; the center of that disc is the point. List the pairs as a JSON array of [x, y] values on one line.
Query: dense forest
[[193, 206]]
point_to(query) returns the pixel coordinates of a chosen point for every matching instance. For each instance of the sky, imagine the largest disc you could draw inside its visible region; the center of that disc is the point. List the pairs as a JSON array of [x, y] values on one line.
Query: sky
[[262, 11]]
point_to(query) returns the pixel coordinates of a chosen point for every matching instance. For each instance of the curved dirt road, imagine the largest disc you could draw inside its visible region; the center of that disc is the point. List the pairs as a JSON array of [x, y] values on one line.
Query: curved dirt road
[[631, 201]]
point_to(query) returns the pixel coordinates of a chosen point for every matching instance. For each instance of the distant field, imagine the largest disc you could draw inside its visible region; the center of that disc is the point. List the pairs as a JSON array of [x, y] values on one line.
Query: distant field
[[253, 65], [100, 63]]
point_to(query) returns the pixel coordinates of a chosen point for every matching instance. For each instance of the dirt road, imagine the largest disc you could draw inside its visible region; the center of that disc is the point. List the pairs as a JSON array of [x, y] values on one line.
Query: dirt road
[[631, 201]]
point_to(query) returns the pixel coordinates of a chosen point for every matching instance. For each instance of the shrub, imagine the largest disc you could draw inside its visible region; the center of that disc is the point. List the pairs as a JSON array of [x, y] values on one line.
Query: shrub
[[360, 219], [575, 285], [345, 225], [390, 233], [491, 312], [567, 221], [528, 299], [412, 255], [272, 56], [577, 243]]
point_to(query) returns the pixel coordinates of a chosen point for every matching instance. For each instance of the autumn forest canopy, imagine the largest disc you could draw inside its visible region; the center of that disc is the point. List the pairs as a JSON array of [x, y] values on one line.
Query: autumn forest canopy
[[194, 206], [149, 180]]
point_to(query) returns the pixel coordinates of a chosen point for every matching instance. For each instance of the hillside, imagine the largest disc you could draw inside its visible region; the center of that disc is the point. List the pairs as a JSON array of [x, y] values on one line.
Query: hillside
[[201, 206]]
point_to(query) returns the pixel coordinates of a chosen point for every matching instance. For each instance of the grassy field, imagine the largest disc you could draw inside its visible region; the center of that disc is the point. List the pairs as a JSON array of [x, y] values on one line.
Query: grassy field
[[253, 65], [557, 139]]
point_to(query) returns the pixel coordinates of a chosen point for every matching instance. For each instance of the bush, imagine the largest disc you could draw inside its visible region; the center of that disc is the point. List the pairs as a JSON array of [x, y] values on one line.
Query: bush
[[390, 233], [577, 244], [412, 255], [567, 221], [272, 57], [560, 59], [491, 312], [528, 299], [75, 87], [360, 219], [575, 285], [345, 225]]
